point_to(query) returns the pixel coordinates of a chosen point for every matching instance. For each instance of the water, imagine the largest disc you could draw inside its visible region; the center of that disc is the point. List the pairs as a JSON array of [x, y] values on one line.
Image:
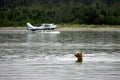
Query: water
[[26, 55]]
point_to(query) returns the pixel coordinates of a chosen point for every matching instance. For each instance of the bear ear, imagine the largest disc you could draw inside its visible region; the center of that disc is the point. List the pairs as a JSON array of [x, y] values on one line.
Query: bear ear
[[78, 51]]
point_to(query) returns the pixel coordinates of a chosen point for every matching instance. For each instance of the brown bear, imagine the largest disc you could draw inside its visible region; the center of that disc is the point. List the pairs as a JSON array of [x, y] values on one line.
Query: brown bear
[[79, 56]]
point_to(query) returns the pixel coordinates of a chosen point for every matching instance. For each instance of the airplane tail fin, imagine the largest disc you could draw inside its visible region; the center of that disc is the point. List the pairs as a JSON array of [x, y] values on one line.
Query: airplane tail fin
[[29, 26]]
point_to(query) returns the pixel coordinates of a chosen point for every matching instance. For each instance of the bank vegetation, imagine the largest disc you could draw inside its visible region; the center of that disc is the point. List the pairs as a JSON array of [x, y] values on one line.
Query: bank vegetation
[[69, 12]]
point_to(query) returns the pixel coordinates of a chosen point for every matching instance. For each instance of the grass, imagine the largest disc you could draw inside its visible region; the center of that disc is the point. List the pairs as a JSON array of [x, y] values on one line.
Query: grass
[[87, 26]]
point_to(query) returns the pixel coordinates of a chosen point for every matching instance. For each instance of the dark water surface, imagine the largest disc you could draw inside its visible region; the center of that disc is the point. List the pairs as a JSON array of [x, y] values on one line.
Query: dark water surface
[[28, 55]]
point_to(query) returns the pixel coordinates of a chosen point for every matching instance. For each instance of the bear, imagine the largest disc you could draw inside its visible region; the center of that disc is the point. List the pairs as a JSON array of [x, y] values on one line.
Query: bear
[[79, 56]]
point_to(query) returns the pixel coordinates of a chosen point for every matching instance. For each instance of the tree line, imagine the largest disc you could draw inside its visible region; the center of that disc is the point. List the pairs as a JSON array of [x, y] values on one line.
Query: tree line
[[99, 12]]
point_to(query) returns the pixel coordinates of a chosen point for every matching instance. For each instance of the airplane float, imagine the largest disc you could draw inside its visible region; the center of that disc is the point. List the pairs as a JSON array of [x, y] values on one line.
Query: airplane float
[[42, 27]]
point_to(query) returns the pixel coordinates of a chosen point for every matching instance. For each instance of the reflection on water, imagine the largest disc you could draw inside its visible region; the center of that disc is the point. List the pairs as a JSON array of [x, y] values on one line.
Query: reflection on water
[[26, 55], [41, 36]]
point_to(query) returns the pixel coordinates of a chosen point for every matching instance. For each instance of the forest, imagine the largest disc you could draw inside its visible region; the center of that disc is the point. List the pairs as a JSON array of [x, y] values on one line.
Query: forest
[[98, 12]]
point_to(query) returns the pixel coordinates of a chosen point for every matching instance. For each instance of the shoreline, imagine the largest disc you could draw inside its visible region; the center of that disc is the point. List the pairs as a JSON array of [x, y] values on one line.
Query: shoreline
[[63, 29], [89, 29]]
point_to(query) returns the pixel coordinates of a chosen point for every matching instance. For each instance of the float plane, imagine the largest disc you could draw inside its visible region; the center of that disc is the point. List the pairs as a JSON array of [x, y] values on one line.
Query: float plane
[[42, 27]]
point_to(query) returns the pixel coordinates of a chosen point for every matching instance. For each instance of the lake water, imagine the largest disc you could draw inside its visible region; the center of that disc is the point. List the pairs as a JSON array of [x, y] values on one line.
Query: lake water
[[26, 55]]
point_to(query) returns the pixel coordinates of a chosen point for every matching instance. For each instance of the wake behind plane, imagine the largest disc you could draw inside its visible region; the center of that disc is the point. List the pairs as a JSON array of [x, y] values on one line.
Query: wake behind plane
[[42, 27]]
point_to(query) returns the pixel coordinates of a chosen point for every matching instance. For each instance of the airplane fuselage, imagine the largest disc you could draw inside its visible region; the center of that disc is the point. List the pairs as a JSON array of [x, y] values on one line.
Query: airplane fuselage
[[42, 27]]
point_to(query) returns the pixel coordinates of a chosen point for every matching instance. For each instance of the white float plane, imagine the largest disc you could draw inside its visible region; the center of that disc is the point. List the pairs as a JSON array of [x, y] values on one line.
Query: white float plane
[[42, 27]]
